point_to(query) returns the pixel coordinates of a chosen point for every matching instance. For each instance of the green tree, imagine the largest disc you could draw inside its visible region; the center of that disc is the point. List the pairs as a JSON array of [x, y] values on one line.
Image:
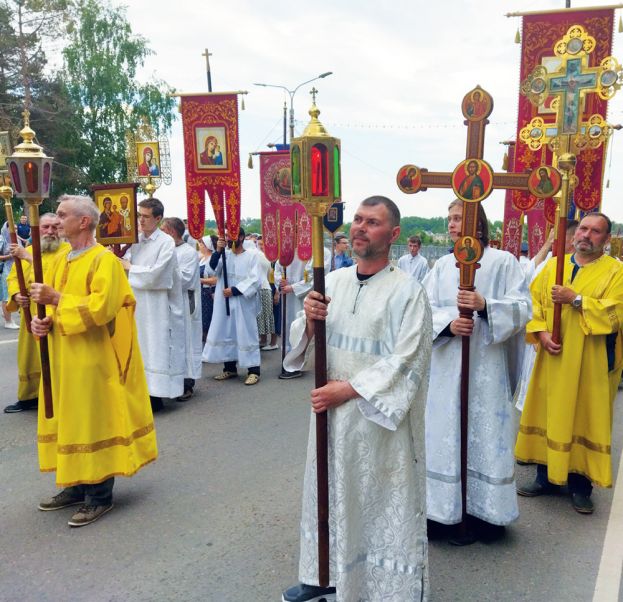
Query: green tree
[[100, 67]]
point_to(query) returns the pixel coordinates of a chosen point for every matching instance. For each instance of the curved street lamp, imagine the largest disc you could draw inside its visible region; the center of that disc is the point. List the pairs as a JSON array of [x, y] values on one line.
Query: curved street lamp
[[291, 93]]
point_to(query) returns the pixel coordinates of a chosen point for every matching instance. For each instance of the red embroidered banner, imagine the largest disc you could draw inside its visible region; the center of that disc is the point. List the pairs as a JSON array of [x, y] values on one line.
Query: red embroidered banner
[[539, 34], [286, 226], [212, 159], [513, 217]]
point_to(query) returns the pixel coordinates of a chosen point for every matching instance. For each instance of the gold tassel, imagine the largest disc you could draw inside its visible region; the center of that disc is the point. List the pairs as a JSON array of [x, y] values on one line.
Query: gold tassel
[[505, 162], [518, 37], [250, 162], [243, 102], [620, 25]]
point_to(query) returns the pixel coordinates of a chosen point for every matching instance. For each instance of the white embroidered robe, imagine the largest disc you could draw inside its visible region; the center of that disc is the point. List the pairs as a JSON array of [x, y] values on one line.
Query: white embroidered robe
[[300, 275], [491, 494], [379, 339], [235, 337], [155, 281], [188, 262]]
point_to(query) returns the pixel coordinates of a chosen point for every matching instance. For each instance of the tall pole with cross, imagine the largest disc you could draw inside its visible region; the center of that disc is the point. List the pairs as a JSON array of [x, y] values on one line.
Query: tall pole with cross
[[569, 87], [472, 181]]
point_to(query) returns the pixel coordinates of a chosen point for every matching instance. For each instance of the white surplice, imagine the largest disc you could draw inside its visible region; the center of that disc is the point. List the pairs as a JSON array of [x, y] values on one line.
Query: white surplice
[[234, 338], [491, 492], [300, 275], [379, 339], [188, 262], [155, 281], [416, 267]]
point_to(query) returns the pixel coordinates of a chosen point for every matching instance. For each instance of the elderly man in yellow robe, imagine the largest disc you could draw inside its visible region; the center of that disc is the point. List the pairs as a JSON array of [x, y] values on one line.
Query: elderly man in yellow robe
[[566, 423], [28, 362], [102, 425]]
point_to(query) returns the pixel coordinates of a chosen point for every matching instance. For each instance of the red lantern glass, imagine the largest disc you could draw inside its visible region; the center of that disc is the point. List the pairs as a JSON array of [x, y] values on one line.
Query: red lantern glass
[[319, 170]]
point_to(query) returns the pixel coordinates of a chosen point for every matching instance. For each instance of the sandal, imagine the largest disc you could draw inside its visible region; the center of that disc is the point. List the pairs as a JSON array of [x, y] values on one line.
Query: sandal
[[252, 379], [226, 375]]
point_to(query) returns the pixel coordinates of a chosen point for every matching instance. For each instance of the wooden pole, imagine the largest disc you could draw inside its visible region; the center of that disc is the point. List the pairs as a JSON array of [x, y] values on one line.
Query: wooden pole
[[284, 322], [43, 341], [7, 193], [566, 164], [322, 453]]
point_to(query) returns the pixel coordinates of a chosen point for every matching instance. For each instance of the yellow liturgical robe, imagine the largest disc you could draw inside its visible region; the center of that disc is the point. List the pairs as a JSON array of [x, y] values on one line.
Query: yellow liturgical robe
[[28, 362], [567, 418], [103, 424]]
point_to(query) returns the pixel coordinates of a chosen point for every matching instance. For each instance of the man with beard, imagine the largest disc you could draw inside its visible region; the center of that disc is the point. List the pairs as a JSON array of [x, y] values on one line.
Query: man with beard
[[566, 424], [378, 325], [28, 360]]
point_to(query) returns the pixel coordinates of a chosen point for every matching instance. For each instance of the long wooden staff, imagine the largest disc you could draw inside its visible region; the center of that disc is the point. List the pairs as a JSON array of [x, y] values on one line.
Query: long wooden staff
[[43, 341], [322, 453], [566, 164], [284, 322], [6, 192]]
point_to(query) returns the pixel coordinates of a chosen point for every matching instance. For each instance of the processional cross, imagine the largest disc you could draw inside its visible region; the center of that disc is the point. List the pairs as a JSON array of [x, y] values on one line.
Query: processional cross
[[570, 85], [472, 181]]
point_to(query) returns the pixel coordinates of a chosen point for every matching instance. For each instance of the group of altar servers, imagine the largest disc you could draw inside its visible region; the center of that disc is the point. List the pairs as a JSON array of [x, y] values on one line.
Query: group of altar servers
[[394, 352]]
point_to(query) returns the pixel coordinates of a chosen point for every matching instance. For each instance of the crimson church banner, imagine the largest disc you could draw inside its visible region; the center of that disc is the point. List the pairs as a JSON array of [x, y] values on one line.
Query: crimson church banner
[[539, 34], [286, 226], [212, 160]]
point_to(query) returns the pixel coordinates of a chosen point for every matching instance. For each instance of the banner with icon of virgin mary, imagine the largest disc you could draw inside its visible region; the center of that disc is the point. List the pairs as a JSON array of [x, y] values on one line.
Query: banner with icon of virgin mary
[[212, 160]]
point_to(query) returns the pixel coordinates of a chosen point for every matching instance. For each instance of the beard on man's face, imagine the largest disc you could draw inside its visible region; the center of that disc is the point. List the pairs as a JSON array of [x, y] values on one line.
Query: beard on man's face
[[50, 243]]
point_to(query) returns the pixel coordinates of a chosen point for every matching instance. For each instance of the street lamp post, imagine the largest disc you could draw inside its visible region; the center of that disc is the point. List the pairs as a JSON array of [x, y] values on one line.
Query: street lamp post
[[291, 93]]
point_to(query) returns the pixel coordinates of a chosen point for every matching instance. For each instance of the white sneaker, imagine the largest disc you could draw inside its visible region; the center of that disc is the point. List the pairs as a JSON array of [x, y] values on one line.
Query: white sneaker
[[11, 325]]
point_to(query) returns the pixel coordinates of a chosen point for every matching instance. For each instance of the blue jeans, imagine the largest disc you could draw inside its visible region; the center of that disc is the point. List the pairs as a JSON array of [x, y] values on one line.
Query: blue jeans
[[99, 494], [577, 483]]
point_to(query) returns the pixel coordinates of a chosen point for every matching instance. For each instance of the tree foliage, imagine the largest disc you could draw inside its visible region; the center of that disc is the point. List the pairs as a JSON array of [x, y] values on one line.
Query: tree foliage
[[100, 66]]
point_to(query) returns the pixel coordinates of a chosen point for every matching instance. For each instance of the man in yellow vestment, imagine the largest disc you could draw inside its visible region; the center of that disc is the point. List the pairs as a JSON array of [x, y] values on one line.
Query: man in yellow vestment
[[103, 424], [566, 423], [28, 362]]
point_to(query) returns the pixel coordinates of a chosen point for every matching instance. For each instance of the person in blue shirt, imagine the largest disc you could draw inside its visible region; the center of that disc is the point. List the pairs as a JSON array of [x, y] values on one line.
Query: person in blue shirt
[[341, 259]]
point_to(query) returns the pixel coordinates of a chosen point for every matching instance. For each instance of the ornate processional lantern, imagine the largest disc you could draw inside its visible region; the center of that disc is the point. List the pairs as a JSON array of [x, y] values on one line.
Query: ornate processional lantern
[[315, 180], [30, 170]]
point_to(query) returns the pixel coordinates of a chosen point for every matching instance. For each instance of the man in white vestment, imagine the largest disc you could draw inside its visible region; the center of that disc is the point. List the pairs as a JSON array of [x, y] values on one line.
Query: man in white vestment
[[378, 325], [154, 277], [188, 264], [234, 339], [413, 263], [295, 287], [503, 305]]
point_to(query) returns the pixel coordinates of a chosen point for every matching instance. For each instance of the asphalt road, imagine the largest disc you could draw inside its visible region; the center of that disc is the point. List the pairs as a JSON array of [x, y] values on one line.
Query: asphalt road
[[216, 517]]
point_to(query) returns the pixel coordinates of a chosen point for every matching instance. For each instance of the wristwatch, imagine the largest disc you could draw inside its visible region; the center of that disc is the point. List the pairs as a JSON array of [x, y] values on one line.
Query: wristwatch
[[577, 302]]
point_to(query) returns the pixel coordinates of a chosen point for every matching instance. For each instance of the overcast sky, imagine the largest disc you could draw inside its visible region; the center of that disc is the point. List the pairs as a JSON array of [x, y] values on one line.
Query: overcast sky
[[400, 71]]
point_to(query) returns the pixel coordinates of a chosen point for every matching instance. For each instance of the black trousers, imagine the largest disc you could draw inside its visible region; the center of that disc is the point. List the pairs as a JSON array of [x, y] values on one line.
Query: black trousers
[[231, 367]]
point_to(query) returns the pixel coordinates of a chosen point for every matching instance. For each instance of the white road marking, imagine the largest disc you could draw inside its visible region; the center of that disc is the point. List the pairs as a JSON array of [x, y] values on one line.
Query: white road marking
[[9, 341], [609, 577]]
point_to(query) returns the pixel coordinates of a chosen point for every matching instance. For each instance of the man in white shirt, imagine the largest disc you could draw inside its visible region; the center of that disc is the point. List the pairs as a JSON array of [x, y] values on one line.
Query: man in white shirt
[[413, 263]]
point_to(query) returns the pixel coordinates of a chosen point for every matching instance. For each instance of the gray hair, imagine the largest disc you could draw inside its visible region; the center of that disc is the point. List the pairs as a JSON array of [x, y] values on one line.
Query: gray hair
[[48, 215], [83, 206]]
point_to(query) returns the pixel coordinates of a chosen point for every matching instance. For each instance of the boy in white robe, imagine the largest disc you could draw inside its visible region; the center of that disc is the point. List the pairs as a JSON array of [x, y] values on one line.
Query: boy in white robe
[[188, 264], [153, 274], [378, 326], [234, 339], [502, 305]]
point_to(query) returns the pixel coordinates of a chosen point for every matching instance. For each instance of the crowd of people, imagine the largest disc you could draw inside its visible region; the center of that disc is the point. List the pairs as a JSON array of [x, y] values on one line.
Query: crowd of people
[[143, 324]]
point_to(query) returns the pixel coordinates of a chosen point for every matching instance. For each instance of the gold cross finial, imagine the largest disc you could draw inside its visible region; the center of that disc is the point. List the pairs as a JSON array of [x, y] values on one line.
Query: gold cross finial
[[313, 92], [26, 116]]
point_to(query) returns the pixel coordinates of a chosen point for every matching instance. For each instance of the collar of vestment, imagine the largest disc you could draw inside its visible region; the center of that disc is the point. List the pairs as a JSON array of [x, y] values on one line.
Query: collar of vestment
[[78, 253], [155, 234], [369, 277]]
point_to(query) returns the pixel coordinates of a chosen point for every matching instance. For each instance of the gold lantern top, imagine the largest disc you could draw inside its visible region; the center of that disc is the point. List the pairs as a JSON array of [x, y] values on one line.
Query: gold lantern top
[[315, 166], [29, 167]]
